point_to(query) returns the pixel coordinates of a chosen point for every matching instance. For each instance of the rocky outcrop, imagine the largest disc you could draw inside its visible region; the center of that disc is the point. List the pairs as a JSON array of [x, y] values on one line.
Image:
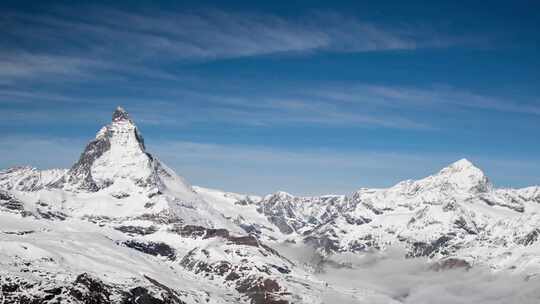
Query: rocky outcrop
[[152, 248]]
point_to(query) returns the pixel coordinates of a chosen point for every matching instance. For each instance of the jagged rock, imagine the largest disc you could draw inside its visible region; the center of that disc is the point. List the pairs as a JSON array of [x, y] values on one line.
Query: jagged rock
[[530, 238], [10, 202], [423, 249], [137, 229], [328, 245], [261, 291], [90, 290], [450, 263], [152, 248], [120, 114]]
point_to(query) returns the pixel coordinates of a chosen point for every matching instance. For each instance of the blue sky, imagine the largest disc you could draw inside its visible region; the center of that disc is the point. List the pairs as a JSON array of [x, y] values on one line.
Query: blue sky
[[301, 96]]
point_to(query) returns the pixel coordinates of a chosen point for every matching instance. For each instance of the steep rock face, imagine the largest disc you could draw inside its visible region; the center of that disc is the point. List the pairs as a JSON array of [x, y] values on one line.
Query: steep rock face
[[117, 155]]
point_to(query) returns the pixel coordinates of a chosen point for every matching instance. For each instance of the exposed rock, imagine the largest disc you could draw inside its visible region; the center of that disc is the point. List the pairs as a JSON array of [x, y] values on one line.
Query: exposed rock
[[90, 290], [530, 238], [360, 220], [327, 244], [512, 204], [51, 215], [261, 291], [161, 295], [423, 249], [81, 173], [120, 114], [9, 202], [450, 263], [189, 231], [120, 195], [137, 229], [152, 248]]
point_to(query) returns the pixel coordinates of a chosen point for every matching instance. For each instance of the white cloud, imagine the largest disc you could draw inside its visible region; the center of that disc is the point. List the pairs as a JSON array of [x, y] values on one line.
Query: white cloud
[[412, 281], [428, 98], [23, 65], [221, 34]]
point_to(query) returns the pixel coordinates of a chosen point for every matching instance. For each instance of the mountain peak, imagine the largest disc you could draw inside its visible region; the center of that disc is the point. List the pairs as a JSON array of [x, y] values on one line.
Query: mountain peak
[[464, 174], [462, 164], [117, 154], [120, 114]]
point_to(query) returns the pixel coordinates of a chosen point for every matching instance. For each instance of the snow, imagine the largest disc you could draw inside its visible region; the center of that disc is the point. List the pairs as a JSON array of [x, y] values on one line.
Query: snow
[[51, 227]]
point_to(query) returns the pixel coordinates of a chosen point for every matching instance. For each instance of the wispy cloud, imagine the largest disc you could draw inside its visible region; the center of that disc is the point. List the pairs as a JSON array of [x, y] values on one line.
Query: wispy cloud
[[186, 106], [356, 105], [351, 104], [412, 281], [16, 65], [106, 38], [213, 33], [432, 97]]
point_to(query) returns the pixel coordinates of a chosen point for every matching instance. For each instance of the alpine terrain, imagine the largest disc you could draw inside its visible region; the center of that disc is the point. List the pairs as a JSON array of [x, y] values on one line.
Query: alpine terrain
[[119, 226]]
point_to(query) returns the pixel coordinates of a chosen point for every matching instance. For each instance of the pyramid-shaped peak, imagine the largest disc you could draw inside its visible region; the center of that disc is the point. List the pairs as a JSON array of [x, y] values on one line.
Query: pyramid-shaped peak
[[116, 154], [120, 114]]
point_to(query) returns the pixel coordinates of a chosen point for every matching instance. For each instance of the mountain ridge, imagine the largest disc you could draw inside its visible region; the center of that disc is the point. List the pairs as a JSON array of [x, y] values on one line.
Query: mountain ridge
[[123, 201]]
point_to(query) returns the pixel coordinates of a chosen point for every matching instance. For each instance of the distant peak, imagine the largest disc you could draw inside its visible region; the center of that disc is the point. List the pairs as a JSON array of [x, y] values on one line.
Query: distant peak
[[120, 114], [462, 164], [281, 195], [464, 174]]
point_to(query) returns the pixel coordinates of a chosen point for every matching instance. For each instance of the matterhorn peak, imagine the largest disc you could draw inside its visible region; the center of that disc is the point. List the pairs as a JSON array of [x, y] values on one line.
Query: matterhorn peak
[[120, 114], [117, 153]]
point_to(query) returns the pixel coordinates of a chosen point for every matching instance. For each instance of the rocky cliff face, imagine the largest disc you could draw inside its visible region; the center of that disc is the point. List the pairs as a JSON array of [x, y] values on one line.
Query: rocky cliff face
[[116, 155]]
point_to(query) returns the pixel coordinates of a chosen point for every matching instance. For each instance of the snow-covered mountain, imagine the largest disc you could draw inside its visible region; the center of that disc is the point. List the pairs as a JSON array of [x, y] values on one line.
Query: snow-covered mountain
[[119, 226], [455, 213]]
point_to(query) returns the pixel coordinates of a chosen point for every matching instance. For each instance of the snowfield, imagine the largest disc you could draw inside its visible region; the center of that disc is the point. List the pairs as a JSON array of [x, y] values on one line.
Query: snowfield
[[119, 226]]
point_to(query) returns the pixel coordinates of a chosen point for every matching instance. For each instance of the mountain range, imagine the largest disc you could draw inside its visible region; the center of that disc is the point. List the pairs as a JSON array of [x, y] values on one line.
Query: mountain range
[[120, 226]]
